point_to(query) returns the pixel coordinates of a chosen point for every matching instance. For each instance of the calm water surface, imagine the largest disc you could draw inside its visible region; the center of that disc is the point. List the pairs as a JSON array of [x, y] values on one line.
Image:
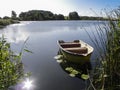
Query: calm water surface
[[47, 74]]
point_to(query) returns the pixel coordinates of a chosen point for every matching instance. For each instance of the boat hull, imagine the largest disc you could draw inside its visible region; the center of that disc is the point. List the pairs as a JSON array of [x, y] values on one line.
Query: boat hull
[[75, 58]]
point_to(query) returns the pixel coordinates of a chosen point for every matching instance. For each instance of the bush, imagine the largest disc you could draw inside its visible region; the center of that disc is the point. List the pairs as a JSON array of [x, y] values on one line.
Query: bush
[[5, 22], [11, 66]]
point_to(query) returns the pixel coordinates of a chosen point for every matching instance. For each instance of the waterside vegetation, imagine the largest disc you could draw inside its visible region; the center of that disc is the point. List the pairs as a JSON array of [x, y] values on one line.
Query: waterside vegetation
[[42, 15], [11, 66], [9, 20], [106, 74], [5, 22], [38, 15]]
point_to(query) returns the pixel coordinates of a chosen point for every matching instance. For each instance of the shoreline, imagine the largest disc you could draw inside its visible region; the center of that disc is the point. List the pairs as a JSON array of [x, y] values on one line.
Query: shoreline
[[6, 22]]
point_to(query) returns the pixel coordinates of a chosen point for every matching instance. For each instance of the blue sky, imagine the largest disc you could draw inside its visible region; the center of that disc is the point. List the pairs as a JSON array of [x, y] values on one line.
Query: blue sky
[[98, 4], [93, 7], [83, 7]]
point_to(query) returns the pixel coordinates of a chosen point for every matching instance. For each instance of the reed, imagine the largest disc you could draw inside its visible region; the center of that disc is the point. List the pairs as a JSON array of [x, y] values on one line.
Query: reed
[[106, 74]]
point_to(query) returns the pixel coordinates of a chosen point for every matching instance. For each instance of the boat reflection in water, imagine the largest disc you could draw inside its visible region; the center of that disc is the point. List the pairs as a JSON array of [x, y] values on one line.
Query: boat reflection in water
[[79, 70]]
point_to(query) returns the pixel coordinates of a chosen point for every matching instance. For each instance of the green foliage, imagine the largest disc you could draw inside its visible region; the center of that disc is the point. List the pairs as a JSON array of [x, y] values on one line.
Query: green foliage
[[6, 17], [85, 77], [37, 15], [5, 22], [59, 17], [106, 75], [72, 71], [13, 15], [11, 66], [73, 16], [92, 18]]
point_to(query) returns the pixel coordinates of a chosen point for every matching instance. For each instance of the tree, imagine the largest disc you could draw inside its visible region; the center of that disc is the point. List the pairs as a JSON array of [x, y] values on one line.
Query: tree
[[6, 17], [73, 16], [13, 15], [59, 17], [36, 15]]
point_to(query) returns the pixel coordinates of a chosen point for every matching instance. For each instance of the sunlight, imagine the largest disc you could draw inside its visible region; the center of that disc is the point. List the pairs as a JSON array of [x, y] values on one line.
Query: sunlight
[[15, 35], [28, 84]]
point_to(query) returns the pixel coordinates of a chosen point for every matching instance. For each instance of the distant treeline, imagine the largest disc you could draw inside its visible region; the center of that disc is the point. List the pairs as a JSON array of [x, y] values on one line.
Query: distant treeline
[[37, 15], [40, 15]]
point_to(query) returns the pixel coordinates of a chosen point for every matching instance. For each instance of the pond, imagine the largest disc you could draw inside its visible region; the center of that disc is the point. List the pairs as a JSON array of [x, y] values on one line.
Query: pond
[[42, 36]]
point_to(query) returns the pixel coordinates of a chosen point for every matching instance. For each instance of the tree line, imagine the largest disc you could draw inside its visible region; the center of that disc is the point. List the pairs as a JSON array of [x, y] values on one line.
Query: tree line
[[39, 15]]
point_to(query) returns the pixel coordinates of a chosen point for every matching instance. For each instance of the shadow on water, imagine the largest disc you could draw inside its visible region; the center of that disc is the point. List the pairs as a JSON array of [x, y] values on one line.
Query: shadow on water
[[76, 69], [79, 70]]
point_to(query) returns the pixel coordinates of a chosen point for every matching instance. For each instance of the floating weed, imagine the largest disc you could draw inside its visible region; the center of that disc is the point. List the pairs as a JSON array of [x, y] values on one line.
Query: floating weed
[[60, 61], [85, 76], [58, 57], [72, 71], [69, 69], [72, 75], [105, 75]]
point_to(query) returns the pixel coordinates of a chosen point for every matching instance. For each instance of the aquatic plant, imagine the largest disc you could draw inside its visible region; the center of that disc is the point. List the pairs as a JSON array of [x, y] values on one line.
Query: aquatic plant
[[11, 66], [106, 74], [73, 69]]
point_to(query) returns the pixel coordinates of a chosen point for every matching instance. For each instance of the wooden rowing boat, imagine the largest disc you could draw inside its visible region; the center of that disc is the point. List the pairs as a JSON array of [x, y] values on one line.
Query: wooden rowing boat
[[76, 51]]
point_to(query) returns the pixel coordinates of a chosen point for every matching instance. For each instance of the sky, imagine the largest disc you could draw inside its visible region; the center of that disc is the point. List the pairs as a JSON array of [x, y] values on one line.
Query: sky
[[83, 7]]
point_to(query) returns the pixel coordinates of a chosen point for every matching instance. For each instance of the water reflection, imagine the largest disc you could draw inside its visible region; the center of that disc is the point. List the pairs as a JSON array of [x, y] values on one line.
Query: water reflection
[[43, 36], [76, 69], [14, 34], [79, 70], [27, 84]]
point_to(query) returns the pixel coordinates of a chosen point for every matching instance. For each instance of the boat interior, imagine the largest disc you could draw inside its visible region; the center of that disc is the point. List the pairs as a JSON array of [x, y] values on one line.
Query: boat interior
[[74, 47]]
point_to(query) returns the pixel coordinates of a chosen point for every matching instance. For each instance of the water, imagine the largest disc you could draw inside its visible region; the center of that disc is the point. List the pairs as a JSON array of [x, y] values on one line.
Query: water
[[47, 74]]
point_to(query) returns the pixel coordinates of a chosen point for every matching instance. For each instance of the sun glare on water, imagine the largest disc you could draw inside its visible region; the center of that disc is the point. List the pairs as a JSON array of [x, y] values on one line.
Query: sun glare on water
[[28, 84]]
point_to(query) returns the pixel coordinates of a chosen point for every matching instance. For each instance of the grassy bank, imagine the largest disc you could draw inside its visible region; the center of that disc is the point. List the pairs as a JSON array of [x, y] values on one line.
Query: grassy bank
[[5, 22]]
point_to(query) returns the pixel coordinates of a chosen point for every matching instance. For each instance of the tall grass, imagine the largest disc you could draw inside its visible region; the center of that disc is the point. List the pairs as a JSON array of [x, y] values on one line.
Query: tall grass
[[106, 75]]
